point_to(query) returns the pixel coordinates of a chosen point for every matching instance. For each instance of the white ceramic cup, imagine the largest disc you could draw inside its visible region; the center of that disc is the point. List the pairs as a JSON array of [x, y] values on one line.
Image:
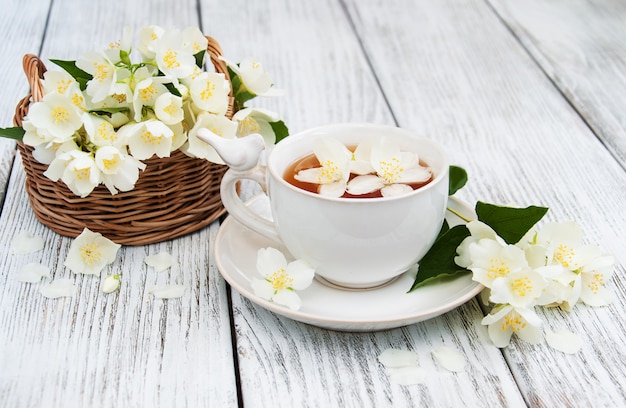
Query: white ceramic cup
[[351, 242]]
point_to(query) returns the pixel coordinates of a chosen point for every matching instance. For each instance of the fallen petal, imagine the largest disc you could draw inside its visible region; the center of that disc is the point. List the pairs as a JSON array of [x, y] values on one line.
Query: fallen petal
[[167, 291], [25, 243], [160, 261], [32, 273], [406, 375], [58, 288], [564, 341], [393, 358], [450, 359]]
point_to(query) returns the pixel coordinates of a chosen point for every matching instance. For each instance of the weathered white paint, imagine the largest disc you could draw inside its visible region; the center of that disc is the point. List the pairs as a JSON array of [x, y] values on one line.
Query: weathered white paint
[[452, 70]]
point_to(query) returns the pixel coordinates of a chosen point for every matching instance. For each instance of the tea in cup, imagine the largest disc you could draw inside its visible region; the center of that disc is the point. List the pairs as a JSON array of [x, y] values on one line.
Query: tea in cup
[[352, 240]]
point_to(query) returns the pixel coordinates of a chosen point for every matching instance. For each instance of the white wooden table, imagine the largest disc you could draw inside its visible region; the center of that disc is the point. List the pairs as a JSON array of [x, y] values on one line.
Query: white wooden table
[[529, 97]]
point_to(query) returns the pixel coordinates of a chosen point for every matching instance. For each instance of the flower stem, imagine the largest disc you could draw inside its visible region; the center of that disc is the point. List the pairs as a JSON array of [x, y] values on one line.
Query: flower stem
[[458, 214]]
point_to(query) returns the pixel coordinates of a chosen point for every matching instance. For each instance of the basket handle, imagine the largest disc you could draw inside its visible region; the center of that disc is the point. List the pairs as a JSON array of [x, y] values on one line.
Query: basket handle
[[34, 68]]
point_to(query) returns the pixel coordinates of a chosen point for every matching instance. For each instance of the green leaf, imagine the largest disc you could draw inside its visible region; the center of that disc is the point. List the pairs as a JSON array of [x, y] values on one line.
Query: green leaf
[[78, 74], [511, 224], [438, 263], [200, 58], [242, 96], [280, 130], [125, 57], [458, 179], [108, 111], [15, 133], [173, 90], [234, 79]]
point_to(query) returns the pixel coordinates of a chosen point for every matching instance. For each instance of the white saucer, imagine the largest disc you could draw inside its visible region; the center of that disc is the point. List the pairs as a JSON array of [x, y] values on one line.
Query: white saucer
[[387, 307]]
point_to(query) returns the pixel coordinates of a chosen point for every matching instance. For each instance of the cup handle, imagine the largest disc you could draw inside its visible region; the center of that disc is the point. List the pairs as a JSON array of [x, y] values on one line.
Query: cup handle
[[235, 207]]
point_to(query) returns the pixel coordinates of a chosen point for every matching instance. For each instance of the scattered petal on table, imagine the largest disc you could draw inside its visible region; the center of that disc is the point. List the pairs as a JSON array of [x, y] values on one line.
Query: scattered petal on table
[[449, 358], [58, 288], [564, 341], [25, 243], [160, 261], [392, 358], [406, 375], [167, 291], [32, 273]]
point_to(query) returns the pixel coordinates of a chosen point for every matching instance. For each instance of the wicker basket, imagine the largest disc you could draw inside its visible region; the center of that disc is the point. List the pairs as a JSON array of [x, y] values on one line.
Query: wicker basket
[[173, 196]]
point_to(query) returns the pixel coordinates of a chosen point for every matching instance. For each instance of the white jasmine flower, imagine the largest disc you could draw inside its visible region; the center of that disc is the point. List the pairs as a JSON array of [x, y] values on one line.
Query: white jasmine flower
[[593, 278], [173, 59], [111, 283], [90, 252], [77, 169], [146, 93], [145, 139], [281, 279], [564, 341], [160, 261], [519, 289], [209, 92], [194, 39], [34, 136], [505, 320], [100, 131], [57, 115], [103, 72], [115, 49], [478, 230], [148, 36], [58, 288], [361, 161], [32, 273], [167, 291], [120, 171], [219, 125], [450, 359], [26, 243], [334, 171], [254, 78], [169, 108], [491, 260], [392, 166]]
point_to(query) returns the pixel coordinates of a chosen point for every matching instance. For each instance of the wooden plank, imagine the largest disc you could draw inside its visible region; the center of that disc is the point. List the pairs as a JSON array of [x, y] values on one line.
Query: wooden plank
[[311, 50], [451, 70], [580, 46], [126, 348], [21, 33]]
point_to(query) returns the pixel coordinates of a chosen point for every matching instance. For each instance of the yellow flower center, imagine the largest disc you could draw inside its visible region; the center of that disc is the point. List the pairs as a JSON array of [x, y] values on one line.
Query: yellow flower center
[[280, 280], [149, 138], [329, 172], [207, 92], [390, 171], [105, 131], [147, 94], [63, 85], [565, 256], [102, 72], [596, 282], [170, 109], [121, 98], [521, 287], [60, 115], [115, 45], [90, 253], [82, 174], [79, 101], [497, 268], [514, 321], [110, 163], [169, 59], [247, 126]]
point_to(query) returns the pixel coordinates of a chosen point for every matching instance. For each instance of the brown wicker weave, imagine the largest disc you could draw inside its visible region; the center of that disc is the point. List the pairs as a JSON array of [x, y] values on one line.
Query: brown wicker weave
[[173, 196]]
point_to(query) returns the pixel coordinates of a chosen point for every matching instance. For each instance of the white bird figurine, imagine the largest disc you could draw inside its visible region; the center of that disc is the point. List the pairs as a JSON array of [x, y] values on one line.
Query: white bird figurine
[[240, 154]]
